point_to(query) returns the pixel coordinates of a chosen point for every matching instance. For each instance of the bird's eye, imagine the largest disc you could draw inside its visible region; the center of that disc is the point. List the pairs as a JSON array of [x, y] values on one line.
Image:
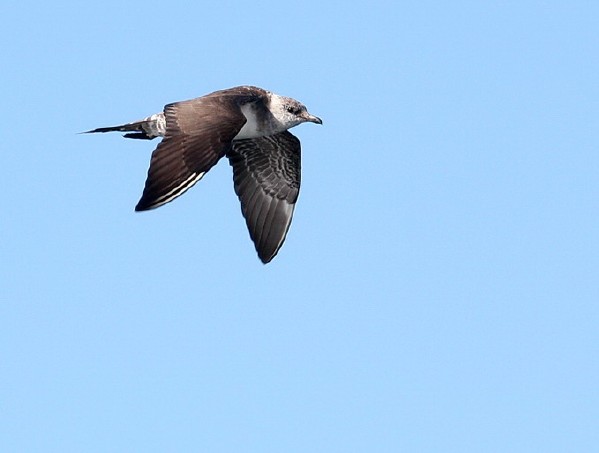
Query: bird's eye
[[291, 109]]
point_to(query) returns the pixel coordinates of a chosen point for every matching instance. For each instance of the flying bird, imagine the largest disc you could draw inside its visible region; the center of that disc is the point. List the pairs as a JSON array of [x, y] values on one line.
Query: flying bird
[[247, 124]]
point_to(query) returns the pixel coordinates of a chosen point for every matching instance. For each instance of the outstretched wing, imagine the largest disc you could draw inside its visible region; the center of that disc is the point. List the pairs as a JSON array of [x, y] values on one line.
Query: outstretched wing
[[266, 173], [198, 133]]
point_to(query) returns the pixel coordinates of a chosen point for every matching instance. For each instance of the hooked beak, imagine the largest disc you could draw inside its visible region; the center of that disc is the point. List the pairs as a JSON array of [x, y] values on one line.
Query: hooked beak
[[312, 118]]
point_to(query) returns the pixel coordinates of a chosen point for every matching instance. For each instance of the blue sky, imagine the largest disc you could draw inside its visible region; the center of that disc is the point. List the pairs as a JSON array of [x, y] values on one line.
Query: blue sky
[[438, 288]]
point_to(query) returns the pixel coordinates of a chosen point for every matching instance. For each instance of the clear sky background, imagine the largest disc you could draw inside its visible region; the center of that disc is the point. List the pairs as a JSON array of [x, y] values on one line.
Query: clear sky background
[[438, 290]]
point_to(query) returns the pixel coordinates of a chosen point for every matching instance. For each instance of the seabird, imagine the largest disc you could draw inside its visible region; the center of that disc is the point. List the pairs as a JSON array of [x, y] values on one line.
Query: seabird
[[247, 124]]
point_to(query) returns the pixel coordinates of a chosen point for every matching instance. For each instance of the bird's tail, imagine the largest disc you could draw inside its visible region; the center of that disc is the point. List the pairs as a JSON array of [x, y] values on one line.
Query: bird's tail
[[146, 129]]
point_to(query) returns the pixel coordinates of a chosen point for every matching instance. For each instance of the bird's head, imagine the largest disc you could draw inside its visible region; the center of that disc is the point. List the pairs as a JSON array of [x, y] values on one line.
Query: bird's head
[[289, 112]]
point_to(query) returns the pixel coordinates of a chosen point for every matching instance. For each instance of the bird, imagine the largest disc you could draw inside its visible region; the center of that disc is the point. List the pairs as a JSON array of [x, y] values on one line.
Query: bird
[[248, 125]]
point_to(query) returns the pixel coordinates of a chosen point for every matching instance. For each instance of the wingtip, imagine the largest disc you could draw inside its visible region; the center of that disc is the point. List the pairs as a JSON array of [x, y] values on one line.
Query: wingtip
[[266, 256], [143, 205], [147, 204], [139, 207], [265, 260]]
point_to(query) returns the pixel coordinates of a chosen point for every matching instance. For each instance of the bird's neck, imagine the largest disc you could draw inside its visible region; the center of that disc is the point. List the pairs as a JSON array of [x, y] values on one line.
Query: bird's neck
[[259, 122]]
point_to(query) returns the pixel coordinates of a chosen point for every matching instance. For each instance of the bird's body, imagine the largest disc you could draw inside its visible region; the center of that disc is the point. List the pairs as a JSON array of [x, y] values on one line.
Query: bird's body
[[247, 124]]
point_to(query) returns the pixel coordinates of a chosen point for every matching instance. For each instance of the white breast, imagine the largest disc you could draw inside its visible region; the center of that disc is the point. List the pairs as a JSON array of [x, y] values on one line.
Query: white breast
[[251, 128]]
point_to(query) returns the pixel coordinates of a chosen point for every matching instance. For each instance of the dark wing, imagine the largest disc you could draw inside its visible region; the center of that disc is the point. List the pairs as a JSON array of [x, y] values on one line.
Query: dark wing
[[198, 133], [266, 173]]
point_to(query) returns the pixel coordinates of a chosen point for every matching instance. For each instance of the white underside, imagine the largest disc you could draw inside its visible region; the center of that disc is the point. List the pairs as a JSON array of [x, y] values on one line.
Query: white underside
[[250, 128]]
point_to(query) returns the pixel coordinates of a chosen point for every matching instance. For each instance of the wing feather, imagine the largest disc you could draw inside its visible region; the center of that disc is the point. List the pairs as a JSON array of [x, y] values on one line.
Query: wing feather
[[266, 175], [198, 134]]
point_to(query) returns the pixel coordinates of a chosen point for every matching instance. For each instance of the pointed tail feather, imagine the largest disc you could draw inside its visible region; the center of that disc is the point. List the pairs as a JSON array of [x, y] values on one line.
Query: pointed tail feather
[[136, 128], [146, 129]]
